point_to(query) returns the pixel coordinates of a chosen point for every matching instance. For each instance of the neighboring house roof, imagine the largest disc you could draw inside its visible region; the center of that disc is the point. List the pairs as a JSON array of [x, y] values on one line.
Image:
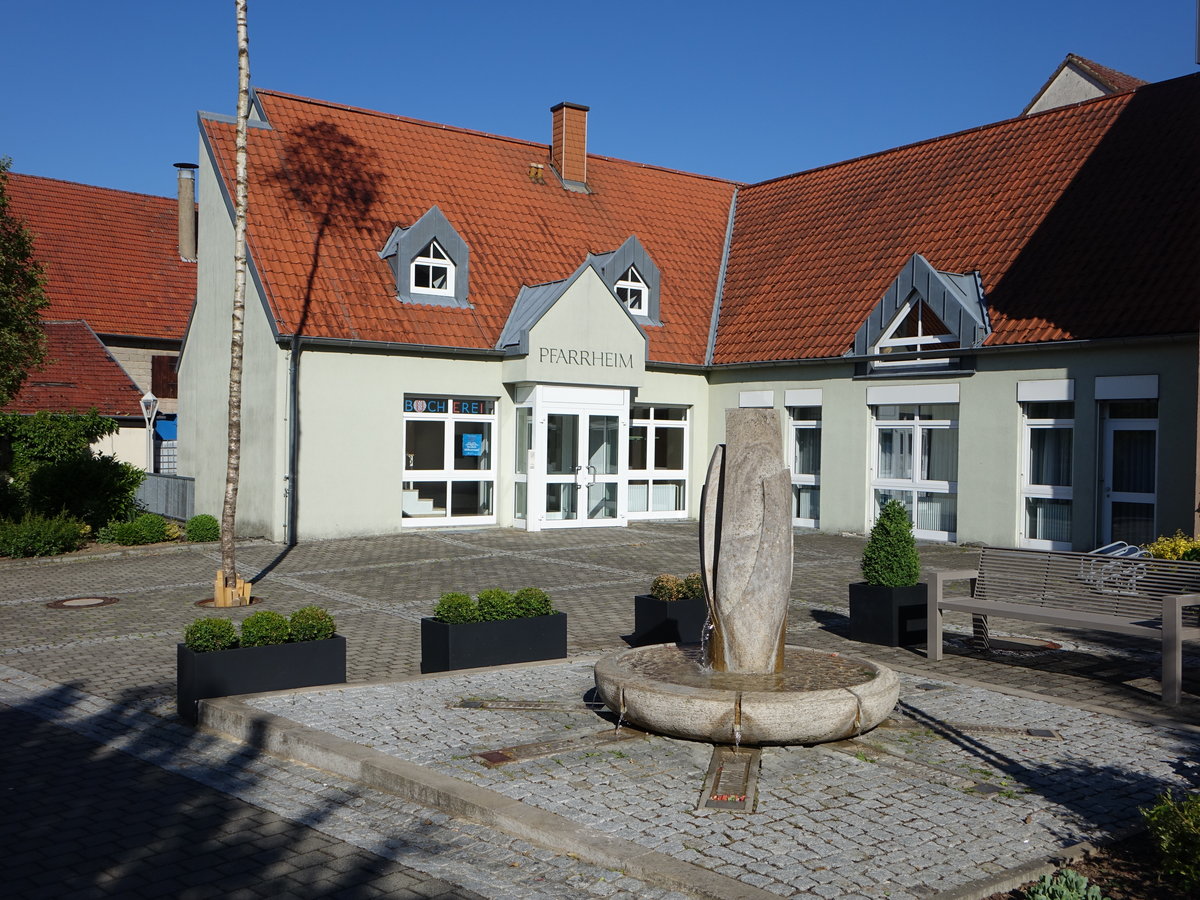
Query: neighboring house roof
[[330, 183], [79, 374], [1082, 221], [1104, 79], [111, 257]]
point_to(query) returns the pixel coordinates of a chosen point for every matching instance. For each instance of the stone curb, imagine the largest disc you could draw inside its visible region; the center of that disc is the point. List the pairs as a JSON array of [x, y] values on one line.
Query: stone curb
[[232, 718]]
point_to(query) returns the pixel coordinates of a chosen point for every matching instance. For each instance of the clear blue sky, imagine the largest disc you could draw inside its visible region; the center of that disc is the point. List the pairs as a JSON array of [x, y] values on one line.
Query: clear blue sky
[[106, 91]]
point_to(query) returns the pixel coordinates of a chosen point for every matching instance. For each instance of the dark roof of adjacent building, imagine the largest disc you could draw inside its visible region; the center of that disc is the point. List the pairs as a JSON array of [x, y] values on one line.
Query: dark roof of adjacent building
[[79, 374], [111, 257]]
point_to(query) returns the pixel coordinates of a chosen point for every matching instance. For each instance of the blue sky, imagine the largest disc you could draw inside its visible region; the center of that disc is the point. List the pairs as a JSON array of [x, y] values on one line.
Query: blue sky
[[106, 92]]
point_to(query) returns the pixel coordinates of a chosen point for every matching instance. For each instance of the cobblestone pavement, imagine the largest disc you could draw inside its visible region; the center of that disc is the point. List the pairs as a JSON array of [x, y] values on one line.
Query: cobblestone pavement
[[109, 794]]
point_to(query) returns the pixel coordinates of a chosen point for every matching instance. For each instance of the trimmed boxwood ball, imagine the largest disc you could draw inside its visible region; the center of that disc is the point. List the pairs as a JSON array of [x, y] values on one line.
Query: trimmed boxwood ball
[[693, 587], [455, 608], [203, 528], [890, 558], [531, 601], [207, 635], [263, 628], [496, 604], [311, 623], [668, 587]]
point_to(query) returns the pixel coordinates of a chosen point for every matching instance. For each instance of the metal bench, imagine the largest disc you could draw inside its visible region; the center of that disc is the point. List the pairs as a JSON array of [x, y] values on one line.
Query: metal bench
[[1122, 594]]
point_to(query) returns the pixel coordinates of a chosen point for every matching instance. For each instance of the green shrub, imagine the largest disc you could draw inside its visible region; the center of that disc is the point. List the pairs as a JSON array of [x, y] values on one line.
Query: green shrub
[[263, 628], [693, 586], [455, 608], [96, 489], [1175, 827], [496, 604], [531, 602], [203, 528], [148, 528], [667, 587], [1192, 554], [1065, 885], [311, 623], [890, 558], [205, 635], [37, 535]]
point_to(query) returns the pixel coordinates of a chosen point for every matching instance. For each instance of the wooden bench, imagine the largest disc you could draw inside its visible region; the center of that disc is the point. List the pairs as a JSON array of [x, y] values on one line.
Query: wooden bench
[[1143, 597]]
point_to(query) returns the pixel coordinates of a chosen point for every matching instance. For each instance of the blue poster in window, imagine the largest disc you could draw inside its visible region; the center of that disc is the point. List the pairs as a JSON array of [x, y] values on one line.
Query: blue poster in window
[[472, 445]]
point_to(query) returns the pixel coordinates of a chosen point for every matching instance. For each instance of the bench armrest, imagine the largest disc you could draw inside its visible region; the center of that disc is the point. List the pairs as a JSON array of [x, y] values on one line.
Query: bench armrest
[[943, 577]]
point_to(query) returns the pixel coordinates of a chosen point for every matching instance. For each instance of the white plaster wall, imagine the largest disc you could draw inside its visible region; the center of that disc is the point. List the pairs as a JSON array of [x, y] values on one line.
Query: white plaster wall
[[127, 445], [1069, 87]]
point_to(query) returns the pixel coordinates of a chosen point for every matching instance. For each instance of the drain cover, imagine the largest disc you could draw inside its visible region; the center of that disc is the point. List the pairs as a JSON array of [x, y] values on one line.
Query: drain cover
[[530, 705], [732, 780], [504, 755], [82, 603]]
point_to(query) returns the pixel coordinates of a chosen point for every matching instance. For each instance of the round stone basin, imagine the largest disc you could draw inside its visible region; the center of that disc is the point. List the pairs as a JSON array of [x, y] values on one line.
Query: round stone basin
[[818, 697]]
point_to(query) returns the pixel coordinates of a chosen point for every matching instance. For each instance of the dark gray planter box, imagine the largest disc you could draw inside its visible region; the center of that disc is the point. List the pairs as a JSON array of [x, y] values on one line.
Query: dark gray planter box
[[662, 621], [893, 617], [475, 644], [250, 670]]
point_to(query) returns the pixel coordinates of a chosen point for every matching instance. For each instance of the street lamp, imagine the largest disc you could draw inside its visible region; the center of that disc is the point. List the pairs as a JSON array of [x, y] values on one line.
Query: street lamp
[[149, 411]]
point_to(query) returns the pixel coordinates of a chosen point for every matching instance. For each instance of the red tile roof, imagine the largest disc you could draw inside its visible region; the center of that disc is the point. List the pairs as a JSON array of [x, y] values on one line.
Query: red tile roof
[[1112, 79], [329, 183], [78, 374], [1082, 220], [111, 257]]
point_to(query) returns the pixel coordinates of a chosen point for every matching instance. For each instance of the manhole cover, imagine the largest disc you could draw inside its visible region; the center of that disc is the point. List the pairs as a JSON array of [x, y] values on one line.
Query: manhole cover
[[82, 602]]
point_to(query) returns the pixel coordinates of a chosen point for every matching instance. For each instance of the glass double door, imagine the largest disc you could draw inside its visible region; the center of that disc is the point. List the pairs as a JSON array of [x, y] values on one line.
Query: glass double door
[[583, 471]]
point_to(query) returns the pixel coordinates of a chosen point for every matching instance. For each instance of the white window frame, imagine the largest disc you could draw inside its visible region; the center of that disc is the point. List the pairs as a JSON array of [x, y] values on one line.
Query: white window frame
[[651, 474], [631, 285], [918, 343], [448, 474], [801, 421], [1032, 491], [914, 484], [433, 257]]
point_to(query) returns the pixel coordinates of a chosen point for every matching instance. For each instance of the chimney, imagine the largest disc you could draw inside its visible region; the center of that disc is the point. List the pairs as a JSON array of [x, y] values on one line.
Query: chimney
[[568, 145], [187, 211]]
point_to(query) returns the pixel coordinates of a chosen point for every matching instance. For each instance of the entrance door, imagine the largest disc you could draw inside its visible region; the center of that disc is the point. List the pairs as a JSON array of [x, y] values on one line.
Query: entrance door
[[581, 434], [1128, 494]]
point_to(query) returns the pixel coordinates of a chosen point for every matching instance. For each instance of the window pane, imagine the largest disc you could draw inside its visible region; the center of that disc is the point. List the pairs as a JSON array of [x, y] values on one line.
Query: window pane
[[472, 445], [1063, 410], [1048, 520], [602, 500], [667, 496], [524, 441], [805, 413], [1050, 457], [639, 496], [562, 435], [471, 498], [806, 460], [1133, 409], [670, 413], [1133, 461], [637, 447], [424, 499], [883, 496], [424, 445], [602, 444], [560, 501], [668, 448], [1133, 522], [520, 495], [937, 512], [939, 454], [640, 412], [421, 276], [895, 452], [806, 501]]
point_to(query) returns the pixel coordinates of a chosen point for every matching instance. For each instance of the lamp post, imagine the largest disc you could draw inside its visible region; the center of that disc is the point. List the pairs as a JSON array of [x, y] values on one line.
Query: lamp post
[[149, 411]]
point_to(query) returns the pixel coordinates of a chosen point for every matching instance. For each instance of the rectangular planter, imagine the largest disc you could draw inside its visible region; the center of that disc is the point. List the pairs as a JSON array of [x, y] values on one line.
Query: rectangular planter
[[474, 644], [250, 670], [663, 621], [893, 617]]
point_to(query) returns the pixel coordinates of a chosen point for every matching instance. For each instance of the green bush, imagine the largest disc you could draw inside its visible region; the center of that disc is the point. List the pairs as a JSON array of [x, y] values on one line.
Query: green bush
[[148, 528], [531, 602], [96, 489], [455, 608], [890, 558], [205, 635], [1065, 885], [311, 623], [496, 604], [693, 586], [1175, 827], [263, 628], [668, 587], [37, 535], [203, 528]]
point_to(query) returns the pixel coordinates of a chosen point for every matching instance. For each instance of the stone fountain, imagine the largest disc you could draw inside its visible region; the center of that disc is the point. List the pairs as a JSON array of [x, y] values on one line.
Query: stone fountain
[[743, 685]]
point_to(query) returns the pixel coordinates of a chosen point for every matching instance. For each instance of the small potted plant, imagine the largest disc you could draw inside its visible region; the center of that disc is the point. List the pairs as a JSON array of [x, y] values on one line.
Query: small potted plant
[[674, 610], [888, 608], [495, 628], [272, 653]]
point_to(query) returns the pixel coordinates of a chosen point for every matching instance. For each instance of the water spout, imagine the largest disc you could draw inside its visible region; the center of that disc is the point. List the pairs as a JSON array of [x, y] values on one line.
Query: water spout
[[737, 720]]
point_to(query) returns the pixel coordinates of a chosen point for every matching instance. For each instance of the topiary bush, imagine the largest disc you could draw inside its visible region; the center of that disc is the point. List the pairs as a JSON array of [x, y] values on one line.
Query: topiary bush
[[668, 587], [1065, 885], [890, 558], [206, 635], [311, 623], [36, 535], [496, 604], [530, 602], [1175, 826], [455, 608], [693, 587], [264, 628], [203, 528]]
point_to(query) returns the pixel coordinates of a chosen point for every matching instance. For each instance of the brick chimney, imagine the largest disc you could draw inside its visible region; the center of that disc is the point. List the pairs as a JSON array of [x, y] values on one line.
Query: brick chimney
[[568, 145]]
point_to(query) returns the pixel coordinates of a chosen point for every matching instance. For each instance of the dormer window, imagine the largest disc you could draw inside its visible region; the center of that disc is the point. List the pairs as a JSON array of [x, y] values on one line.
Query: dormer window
[[633, 292], [432, 271], [916, 330]]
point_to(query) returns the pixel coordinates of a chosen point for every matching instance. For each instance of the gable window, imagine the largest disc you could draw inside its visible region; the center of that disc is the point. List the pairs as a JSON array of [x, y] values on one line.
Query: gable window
[[916, 330], [632, 291], [432, 271]]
